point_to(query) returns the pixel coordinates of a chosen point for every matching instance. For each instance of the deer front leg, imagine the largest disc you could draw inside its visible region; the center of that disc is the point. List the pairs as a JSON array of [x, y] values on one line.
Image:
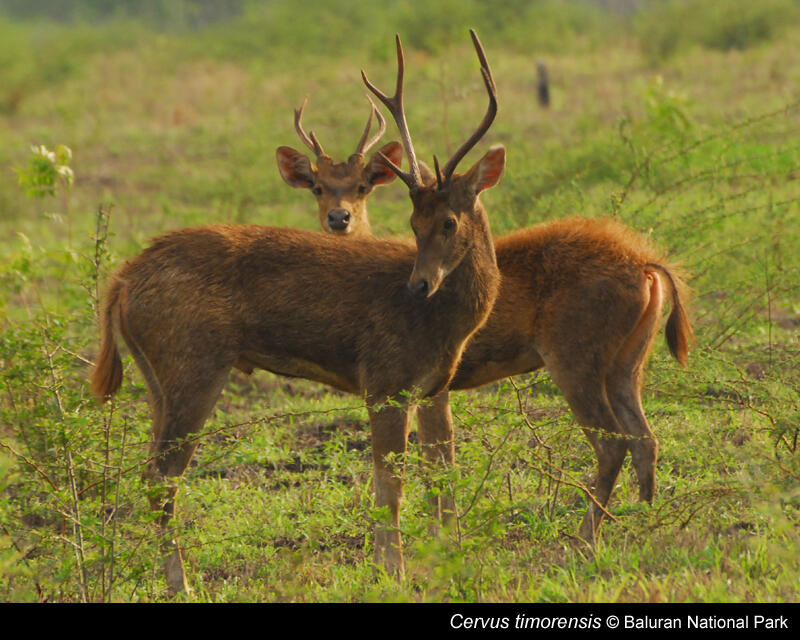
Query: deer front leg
[[436, 436], [389, 426]]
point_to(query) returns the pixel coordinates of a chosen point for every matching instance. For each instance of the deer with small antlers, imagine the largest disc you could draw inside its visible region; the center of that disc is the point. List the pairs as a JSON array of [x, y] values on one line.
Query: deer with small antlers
[[584, 299], [201, 301], [341, 189]]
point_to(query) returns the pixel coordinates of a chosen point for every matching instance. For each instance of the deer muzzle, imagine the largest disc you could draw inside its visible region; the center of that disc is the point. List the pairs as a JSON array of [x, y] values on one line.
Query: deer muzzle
[[339, 220], [423, 285]]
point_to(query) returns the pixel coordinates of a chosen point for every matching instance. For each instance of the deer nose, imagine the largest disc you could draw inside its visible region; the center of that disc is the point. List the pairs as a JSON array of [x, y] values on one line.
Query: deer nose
[[419, 288], [338, 219]]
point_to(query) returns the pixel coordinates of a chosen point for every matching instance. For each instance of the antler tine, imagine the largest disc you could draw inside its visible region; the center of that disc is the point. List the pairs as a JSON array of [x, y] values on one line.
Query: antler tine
[[309, 140], [413, 179], [439, 178], [361, 147], [491, 111]]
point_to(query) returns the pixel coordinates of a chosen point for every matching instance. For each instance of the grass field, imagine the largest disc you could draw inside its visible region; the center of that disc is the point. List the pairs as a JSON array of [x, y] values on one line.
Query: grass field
[[689, 135]]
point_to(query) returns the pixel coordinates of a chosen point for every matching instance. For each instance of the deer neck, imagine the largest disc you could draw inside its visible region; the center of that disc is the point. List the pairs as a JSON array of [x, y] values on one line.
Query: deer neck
[[364, 229], [476, 281]]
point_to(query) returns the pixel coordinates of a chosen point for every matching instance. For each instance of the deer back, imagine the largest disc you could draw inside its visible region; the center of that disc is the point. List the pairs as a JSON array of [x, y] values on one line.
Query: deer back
[[295, 303]]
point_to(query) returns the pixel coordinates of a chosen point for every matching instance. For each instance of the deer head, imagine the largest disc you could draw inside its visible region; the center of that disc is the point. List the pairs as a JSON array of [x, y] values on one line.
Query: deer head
[[448, 218], [341, 189]]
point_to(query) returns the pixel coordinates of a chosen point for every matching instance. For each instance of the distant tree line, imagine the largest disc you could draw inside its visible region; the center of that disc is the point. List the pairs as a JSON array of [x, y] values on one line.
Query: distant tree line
[[165, 13]]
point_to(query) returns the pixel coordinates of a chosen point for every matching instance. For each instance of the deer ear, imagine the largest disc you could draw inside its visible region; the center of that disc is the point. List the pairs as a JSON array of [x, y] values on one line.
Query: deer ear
[[487, 171], [377, 170], [295, 168]]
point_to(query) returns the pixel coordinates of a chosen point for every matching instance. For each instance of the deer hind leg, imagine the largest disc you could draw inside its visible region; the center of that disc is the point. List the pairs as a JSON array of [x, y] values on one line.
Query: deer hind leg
[[181, 412], [597, 419], [589, 404], [389, 425], [578, 345], [436, 436], [624, 383]]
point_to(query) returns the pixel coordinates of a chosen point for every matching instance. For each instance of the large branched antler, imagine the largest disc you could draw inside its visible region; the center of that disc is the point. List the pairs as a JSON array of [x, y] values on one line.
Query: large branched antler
[[491, 112], [413, 178]]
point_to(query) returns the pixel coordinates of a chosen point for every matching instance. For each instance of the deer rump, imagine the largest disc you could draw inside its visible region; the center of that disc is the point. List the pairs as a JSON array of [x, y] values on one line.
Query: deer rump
[[571, 290]]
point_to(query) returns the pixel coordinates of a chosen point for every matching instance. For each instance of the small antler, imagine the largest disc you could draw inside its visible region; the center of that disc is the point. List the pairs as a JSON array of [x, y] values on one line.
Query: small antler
[[439, 178], [363, 148], [310, 140], [491, 112], [413, 179]]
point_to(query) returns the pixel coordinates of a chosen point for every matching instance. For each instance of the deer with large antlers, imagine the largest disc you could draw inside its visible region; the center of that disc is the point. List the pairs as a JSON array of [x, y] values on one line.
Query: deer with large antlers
[[582, 298], [341, 189], [201, 301]]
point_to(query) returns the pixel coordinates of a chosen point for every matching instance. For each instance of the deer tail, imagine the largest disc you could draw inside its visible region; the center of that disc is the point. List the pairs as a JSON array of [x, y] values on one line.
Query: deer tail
[[107, 373], [678, 331]]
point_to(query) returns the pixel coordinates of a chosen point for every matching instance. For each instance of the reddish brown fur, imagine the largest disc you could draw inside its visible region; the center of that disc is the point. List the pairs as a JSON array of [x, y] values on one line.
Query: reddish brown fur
[[341, 187], [583, 298], [200, 301], [107, 374], [593, 261]]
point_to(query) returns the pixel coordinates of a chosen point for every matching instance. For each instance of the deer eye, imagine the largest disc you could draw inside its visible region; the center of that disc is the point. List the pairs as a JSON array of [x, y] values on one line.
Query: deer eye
[[449, 224], [317, 190], [362, 189]]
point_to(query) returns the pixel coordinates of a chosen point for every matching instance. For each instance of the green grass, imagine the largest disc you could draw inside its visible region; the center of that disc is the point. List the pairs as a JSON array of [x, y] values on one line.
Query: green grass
[[696, 146]]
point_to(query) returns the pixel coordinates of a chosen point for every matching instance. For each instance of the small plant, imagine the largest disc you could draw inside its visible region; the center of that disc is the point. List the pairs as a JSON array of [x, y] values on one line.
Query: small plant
[[666, 109], [46, 171]]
